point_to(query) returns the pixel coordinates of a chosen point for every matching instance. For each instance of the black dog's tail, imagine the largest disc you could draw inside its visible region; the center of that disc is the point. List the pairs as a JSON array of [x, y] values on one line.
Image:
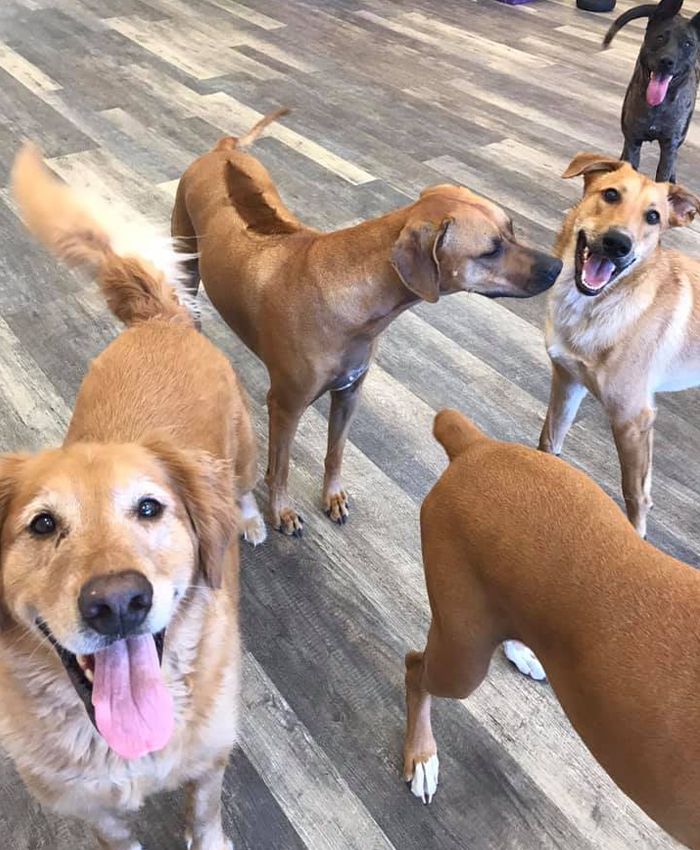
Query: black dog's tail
[[658, 11]]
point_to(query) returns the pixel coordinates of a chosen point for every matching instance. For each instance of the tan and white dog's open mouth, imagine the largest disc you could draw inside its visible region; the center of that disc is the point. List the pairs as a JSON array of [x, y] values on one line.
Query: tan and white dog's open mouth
[[594, 271], [123, 692]]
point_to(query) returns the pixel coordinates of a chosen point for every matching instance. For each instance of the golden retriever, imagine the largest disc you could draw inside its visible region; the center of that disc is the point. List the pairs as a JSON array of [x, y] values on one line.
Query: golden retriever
[[119, 647]]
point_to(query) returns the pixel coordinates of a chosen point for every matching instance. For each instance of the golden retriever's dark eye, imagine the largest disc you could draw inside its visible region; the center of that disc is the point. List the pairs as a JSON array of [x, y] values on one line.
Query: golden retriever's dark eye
[[43, 524], [612, 196], [494, 252], [652, 217], [149, 508]]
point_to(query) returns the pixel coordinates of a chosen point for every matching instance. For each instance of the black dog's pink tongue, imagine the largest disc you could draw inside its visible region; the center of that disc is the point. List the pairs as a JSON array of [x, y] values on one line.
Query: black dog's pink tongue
[[133, 707], [657, 88], [597, 271]]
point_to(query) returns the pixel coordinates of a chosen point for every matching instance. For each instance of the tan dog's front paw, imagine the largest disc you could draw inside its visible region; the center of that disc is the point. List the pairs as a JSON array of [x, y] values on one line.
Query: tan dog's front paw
[[254, 531], [421, 773], [289, 522], [336, 506]]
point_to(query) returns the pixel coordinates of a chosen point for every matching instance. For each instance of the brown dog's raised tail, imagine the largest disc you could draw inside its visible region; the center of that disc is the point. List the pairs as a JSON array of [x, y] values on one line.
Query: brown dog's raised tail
[[137, 281], [231, 142], [455, 432]]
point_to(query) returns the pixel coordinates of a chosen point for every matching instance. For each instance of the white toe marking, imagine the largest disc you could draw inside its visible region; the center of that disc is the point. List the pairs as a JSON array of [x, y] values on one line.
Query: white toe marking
[[425, 779], [254, 530], [524, 659]]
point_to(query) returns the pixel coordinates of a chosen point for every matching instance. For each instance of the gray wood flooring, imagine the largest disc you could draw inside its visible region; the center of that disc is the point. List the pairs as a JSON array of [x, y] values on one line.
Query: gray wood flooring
[[388, 96]]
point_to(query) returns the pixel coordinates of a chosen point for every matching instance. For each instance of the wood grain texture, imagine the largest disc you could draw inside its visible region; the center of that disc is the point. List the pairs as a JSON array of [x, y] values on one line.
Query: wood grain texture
[[387, 97]]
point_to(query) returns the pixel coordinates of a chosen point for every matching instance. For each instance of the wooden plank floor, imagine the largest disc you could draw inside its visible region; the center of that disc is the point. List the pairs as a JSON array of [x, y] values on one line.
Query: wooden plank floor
[[388, 96]]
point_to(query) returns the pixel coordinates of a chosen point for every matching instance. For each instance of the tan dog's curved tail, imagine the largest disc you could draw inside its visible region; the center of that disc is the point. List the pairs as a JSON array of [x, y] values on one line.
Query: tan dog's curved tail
[[455, 432], [136, 270], [231, 142]]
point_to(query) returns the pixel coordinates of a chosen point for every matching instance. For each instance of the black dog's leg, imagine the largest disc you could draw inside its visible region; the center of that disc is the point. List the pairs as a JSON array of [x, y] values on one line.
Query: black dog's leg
[[631, 153], [667, 161]]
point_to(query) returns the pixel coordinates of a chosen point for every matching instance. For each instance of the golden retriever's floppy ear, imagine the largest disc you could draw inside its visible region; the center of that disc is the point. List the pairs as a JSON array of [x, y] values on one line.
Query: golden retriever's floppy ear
[[415, 257], [591, 165], [683, 206], [205, 486], [10, 470]]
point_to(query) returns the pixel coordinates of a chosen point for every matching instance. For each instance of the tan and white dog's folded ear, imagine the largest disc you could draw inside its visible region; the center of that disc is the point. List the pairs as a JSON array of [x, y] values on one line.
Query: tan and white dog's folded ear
[[205, 485], [590, 165], [683, 206], [415, 257], [10, 471]]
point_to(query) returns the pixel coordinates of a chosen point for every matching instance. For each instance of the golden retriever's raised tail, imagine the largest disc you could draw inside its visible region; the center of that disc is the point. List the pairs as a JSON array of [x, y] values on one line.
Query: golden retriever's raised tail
[[137, 271]]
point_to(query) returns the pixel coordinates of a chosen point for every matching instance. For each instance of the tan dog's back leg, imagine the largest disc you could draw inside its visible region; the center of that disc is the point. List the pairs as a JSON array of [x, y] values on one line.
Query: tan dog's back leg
[[284, 420], [254, 530]]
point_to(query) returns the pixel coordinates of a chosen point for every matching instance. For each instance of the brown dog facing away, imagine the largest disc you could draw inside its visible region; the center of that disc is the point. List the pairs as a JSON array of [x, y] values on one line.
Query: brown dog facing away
[[121, 547], [624, 316], [518, 545], [311, 305]]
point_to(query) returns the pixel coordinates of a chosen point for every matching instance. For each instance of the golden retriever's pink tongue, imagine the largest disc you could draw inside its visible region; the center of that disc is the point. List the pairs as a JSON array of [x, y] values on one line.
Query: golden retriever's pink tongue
[[133, 708], [657, 88]]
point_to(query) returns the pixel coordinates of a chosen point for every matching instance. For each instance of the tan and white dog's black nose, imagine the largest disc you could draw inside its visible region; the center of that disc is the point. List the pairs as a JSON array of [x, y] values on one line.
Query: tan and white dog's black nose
[[615, 244], [116, 604]]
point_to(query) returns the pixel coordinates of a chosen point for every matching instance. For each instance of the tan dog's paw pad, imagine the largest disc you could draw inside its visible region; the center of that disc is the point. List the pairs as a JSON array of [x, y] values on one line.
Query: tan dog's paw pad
[[336, 506], [524, 659], [254, 530], [290, 523], [424, 782]]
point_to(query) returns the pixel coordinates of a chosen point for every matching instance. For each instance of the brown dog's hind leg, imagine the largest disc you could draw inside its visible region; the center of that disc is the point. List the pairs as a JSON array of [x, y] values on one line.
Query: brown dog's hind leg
[[204, 829], [284, 421], [634, 440], [564, 401], [448, 668], [183, 233], [343, 407]]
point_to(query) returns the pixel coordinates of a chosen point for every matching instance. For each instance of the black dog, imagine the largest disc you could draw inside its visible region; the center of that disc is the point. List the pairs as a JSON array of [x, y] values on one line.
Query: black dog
[[660, 98]]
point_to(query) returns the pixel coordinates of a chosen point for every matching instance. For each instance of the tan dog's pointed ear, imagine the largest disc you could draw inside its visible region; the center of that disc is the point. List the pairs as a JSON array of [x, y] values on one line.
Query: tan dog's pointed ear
[[415, 257], [590, 165], [205, 486], [683, 206]]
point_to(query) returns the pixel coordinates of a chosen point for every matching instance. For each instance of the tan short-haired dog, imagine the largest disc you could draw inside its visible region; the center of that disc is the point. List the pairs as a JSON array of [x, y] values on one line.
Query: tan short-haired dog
[[119, 648], [623, 319], [519, 545], [311, 305]]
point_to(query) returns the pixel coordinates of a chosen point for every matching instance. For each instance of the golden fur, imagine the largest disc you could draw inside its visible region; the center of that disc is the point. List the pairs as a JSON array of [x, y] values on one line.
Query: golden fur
[[639, 335], [160, 412]]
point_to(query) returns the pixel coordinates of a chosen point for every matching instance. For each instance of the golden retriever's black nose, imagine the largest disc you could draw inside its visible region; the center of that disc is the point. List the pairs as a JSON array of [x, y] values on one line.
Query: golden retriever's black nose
[[116, 604]]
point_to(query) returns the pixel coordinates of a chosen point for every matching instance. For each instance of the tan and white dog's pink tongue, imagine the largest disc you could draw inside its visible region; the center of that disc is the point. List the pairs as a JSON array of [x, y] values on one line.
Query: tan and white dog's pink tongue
[[133, 707], [657, 88], [597, 271]]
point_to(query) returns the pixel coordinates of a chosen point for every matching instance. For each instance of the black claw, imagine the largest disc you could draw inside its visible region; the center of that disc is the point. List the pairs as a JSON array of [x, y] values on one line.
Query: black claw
[[328, 513]]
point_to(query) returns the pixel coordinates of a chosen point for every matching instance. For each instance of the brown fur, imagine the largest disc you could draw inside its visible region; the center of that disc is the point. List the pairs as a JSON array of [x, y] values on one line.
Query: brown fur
[[640, 335], [141, 423], [518, 545], [311, 305]]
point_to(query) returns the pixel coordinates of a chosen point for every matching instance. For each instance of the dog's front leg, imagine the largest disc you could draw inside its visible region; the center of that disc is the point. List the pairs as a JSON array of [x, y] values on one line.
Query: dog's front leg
[[343, 407], [420, 760], [634, 440], [204, 829], [565, 398], [113, 832], [631, 153], [666, 170], [284, 420]]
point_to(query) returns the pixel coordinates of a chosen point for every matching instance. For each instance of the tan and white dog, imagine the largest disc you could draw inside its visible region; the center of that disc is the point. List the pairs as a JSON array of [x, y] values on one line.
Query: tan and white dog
[[623, 319], [119, 647]]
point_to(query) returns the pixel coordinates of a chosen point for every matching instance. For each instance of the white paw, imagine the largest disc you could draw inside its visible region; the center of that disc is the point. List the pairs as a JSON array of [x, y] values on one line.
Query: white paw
[[425, 779], [524, 659], [254, 530]]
